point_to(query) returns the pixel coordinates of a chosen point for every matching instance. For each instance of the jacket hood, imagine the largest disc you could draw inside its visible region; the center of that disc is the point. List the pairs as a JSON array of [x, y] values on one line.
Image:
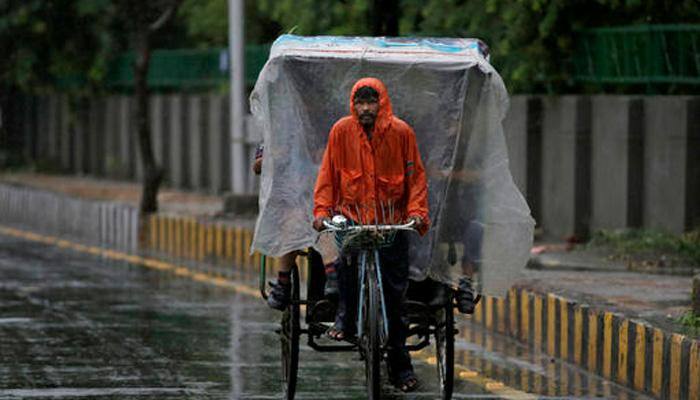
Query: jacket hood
[[385, 114]]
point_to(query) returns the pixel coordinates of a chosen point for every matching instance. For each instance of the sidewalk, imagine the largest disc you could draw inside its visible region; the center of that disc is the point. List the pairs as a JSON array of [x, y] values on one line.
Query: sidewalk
[[170, 202]]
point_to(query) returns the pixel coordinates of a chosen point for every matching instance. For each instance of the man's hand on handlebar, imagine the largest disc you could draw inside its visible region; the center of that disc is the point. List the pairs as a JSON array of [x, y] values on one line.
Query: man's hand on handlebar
[[417, 222], [318, 223]]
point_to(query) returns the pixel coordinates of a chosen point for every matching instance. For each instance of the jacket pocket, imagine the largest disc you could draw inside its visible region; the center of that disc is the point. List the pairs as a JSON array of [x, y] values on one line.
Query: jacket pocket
[[391, 186], [351, 185]]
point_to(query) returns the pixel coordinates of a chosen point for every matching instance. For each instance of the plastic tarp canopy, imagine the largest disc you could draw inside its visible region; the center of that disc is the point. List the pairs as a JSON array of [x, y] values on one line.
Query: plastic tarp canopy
[[454, 100]]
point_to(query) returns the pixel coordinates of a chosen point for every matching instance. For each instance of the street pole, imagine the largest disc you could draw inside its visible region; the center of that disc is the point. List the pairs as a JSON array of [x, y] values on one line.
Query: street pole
[[236, 42]]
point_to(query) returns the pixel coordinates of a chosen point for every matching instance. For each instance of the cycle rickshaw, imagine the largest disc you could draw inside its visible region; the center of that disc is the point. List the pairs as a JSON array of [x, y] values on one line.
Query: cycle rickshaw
[[455, 100]]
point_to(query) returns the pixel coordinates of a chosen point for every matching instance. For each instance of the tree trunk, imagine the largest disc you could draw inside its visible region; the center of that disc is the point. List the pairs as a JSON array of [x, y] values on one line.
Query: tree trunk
[[385, 17], [152, 172]]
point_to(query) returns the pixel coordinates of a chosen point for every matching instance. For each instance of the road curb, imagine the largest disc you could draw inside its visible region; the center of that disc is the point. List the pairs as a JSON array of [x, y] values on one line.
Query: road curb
[[630, 352], [214, 243]]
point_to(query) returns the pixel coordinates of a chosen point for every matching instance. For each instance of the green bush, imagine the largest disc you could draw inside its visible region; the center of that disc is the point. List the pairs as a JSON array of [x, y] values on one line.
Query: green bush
[[691, 322], [629, 241]]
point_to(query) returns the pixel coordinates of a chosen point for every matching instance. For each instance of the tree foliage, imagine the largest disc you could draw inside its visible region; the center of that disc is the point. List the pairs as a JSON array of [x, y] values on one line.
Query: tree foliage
[[39, 41], [532, 41], [206, 23], [48, 43]]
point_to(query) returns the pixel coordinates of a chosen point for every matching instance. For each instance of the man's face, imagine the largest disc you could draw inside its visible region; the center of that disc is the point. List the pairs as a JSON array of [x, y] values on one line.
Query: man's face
[[366, 109]]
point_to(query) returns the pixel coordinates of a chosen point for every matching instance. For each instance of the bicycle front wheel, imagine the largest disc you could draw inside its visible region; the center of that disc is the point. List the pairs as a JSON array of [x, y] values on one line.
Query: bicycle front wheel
[[373, 335], [289, 339], [445, 348]]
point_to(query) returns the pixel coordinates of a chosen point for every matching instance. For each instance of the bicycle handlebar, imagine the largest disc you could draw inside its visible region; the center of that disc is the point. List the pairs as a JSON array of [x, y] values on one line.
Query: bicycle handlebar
[[369, 228]]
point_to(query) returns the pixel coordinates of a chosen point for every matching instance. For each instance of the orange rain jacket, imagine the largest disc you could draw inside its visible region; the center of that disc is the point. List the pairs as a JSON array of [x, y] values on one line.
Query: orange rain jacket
[[382, 179]]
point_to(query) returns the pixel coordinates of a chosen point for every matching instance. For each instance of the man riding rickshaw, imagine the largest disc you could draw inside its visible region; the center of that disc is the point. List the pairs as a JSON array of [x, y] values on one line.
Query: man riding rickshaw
[[440, 171]]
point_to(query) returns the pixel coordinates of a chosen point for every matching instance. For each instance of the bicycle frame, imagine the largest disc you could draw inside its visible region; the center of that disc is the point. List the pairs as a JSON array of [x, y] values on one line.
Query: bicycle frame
[[369, 261], [376, 267]]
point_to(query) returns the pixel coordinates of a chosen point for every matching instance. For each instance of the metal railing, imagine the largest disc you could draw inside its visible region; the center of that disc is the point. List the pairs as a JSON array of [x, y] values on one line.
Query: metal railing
[[643, 54]]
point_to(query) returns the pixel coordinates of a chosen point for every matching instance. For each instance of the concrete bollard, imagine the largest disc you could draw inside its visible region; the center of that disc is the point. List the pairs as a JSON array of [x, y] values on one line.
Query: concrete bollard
[[96, 137], [65, 133], [692, 188], [198, 148], [217, 143], [126, 164], [515, 130], [665, 160], [616, 168], [159, 130], [566, 164], [28, 127], [179, 157], [111, 136], [80, 131], [42, 126], [52, 131]]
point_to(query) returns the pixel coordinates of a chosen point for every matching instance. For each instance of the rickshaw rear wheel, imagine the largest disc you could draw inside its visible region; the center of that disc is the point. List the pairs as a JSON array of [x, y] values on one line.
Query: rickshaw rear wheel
[[372, 339], [289, 338], [445, 349]]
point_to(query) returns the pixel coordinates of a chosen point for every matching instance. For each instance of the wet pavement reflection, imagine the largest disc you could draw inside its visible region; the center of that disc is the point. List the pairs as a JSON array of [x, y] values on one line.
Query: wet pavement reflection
[[74, 325]]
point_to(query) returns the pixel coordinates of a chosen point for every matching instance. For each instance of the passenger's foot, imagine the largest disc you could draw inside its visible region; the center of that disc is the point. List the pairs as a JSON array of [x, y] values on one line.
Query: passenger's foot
[[407, 381], [340, 329], [279, 295], [465, 296]]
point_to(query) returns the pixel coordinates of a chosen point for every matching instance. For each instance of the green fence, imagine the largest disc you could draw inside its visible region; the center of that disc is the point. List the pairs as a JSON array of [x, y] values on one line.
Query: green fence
[[644, 54], [188, 69]]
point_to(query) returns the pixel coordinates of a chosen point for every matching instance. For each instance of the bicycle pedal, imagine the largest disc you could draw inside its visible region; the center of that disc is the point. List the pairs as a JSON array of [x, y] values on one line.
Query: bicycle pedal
[[322, 311]]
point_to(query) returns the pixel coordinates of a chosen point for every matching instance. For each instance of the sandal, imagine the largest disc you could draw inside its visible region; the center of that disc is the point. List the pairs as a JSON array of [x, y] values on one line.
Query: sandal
[[341, 329], [335, 333], [407, 381]]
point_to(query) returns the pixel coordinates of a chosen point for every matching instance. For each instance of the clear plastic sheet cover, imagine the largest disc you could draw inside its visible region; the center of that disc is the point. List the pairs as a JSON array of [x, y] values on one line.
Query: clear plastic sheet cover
[[455, 101]]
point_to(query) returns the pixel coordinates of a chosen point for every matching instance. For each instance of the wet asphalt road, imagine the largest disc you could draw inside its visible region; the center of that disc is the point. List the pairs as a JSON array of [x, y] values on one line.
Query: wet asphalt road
[[74, 325]]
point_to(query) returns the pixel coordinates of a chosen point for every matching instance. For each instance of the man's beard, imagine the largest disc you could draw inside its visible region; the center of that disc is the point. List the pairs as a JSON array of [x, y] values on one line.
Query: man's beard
[[367, 119]]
